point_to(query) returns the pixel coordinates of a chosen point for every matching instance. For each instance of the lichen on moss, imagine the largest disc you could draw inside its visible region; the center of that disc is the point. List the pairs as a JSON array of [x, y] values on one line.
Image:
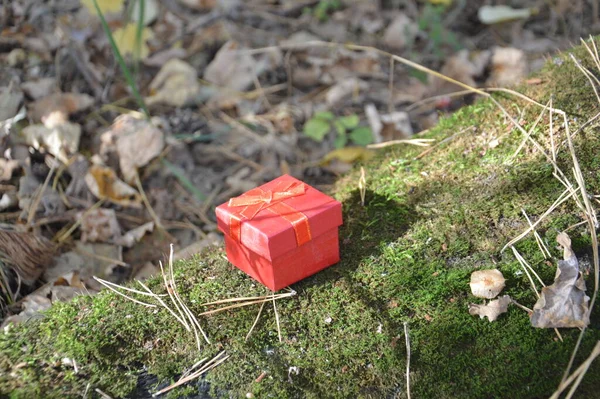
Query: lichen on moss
[[406, 258]]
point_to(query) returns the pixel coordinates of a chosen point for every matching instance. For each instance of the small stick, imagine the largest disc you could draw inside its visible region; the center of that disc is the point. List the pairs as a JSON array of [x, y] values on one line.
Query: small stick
[[362, 186], [407, 360], [552, 133], [518, 256], [517, 304], [561, 198], [255, 321], [124, 295], [581, 369], [165, 306], [217, 360], [36, 202], [250, 298], [153, 214], [538, 239], [417, 142], [277, 320]]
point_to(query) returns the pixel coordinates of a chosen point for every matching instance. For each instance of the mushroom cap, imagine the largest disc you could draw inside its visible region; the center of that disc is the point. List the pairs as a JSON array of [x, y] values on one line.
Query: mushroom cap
[[487, 283]]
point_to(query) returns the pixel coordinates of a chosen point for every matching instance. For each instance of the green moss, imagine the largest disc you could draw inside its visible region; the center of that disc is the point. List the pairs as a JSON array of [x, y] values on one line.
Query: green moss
[[407, 257]]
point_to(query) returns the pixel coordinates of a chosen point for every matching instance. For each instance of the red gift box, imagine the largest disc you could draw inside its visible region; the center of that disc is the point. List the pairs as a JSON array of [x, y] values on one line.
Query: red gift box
[[281, 232]]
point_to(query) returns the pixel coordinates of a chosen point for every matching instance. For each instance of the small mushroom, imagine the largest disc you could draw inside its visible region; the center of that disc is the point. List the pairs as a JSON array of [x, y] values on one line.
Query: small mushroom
[[487, 283]]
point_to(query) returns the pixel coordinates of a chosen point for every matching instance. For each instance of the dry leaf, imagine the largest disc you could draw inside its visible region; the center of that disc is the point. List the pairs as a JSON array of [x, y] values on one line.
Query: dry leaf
[[201, 5], [175, 84], [61, 140], [135, 235], [146, 271], [151, 9], [56, 108], [104, 183], [99, 225], [40, 88], [490, 15], [492, 310], [396, 126], [349, 155], [137, 142], [345, 89], [106, 6], [7, 167], [125, 38], [10, 99], [31, 308], [563, 304], [100, 260], [508, 67], [235, 69], [487, 283], [399, 32]]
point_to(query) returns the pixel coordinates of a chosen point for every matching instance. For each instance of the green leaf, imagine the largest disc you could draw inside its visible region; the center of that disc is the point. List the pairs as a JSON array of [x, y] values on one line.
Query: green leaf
[[340, 141], [316, 129], [339, 127], [361, 136], [350, 121], [325, 115]]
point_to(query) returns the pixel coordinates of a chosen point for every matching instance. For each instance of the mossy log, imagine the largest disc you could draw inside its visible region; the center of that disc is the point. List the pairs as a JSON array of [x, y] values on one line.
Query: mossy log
[[407, 255]]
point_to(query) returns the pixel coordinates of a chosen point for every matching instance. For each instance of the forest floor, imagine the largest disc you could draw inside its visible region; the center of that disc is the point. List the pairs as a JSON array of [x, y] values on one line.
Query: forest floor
[[122, 134]]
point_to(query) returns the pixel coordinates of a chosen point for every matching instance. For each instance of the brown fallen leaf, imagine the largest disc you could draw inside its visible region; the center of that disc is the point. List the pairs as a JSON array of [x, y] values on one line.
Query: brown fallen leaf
[[563, 304], [104, 184], [508, 67], [59, 106], [10, 99], [200, 5], [235, 69], [492, 310], [400, 31], [135, 235], [175, 84], [137, 142], [60, 139], [99, 225], [126, 40], [7, 167]]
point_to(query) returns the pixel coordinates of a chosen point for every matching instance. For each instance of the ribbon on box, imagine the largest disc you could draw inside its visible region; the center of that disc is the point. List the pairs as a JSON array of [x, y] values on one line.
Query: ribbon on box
[[258, 199]]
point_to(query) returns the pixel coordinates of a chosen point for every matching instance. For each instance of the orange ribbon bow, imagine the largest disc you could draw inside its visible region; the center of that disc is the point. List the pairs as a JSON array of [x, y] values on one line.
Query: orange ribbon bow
[[258, 199]]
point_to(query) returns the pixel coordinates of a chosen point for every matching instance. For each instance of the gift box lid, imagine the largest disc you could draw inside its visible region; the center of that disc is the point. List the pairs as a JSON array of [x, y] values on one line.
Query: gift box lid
[[270, 229]]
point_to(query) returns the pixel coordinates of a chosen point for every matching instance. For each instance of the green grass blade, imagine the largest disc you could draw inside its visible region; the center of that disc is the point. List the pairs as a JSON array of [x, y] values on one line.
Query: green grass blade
[[138, 37], [183, 179], [121, 61]]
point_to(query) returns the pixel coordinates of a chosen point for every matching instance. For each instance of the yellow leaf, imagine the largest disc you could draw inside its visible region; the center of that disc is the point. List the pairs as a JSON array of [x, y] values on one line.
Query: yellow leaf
[[440, 2], [349, 154], [106, 6], [125, 39]]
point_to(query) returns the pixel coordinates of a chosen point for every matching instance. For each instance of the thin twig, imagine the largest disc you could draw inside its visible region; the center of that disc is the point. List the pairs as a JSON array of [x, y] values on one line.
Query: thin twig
[[407, 360], [103, 282], [417, 142], [277, 320], [255, 321], [217, 360], [153, 214], [581, 369], [538, 239]]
